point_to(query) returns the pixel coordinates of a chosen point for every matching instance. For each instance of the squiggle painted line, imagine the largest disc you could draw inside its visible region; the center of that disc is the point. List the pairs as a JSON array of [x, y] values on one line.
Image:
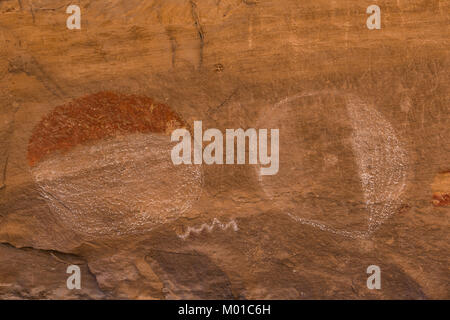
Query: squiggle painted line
[[323, 227], [209, 228]]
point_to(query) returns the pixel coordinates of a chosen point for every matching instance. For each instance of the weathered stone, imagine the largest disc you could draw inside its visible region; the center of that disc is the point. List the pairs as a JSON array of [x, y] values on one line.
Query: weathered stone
[[364, 153]]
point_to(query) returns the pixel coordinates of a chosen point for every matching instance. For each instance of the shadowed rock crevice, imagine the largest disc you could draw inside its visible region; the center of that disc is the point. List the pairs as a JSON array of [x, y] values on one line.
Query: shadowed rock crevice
[[190, 275]]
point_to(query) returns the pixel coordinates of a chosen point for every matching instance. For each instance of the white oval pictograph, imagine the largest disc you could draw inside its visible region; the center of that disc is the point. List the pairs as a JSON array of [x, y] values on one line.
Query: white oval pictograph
[[102, 163], [382, 161], [118, 186], [343, 168]]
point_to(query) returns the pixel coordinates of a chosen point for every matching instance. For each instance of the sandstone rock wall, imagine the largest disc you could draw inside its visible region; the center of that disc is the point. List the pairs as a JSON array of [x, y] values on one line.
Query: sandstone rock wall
[[364, 149]]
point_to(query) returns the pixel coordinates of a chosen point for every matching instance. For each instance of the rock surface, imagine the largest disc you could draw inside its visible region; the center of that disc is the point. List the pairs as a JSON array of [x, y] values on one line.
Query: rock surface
[[364, 149]]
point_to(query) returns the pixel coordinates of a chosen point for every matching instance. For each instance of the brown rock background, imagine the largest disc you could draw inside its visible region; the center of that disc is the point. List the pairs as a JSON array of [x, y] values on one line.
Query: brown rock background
[[227, 63]]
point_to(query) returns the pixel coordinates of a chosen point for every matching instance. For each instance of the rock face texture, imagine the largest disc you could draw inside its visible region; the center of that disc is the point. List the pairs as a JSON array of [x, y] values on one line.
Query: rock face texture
[[86, 176], [121, 184]]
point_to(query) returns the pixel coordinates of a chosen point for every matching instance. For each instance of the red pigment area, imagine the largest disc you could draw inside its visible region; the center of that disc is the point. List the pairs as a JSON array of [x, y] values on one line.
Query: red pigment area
[[96, 117], [441, 199]]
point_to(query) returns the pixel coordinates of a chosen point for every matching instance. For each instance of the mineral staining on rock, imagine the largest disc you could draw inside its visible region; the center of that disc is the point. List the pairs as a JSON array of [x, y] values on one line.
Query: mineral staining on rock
[[103, 165], [441, 190], [96, 117]]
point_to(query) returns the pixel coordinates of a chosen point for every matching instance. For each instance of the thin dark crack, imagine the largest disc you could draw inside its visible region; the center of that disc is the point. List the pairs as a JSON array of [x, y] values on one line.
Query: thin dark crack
[[31, 67], [173, 43], [174, 51], [53, 9], [46, 251], [32, 13], [46, 79], [201, 33], [171, 252], [9, 132], [95, 279], [59, 201], [216, 108], [3, 184], [59, 259]]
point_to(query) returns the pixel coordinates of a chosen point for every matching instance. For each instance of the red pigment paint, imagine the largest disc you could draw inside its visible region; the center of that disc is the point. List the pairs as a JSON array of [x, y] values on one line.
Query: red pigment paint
[[441, 199], [96, 117]]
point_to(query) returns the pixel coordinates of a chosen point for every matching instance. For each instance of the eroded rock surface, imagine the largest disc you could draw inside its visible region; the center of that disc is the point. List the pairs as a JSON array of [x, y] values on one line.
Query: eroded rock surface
[[86, 176]]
